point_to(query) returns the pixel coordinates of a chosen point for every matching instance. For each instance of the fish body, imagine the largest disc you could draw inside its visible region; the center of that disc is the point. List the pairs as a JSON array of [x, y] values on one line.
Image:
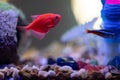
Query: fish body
[[103, 33], [43, 23]]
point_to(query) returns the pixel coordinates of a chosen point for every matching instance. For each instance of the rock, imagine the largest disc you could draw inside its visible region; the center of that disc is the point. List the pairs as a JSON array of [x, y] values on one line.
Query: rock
[[8, 39], [95, 76], [108, 75]]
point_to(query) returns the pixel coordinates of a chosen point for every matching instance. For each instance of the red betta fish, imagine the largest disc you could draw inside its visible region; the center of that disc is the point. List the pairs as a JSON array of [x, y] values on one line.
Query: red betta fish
[[42, 24]]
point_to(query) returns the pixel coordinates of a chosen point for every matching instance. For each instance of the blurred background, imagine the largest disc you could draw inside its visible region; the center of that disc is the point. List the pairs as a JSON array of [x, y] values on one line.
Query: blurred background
[[62, 7], [68, 38]]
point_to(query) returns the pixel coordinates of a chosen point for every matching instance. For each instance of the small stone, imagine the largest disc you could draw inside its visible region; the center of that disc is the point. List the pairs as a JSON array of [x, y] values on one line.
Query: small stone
[[34, 70], [108, 75], [26, 67], [43, 73], [74, 74], [35, 67], [95, 75], [83, 73], [62, 76], [66, 69], [45, 68], [15, 73], [51, 73], [6, 71], [56, 69], [2, 76], [25, 75]]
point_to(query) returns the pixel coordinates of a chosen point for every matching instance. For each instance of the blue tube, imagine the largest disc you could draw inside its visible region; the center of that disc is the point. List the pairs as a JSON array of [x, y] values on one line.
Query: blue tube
[[111, 21], [103, 2], [111, 12]]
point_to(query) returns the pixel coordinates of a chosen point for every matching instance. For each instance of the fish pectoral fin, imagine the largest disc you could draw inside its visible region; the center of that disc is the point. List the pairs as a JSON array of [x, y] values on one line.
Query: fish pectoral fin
[[50, 26], [38, 35]]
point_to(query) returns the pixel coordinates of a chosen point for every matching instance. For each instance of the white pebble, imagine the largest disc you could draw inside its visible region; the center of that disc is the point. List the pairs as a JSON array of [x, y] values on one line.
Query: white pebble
[[108, 75], [43, 67], [15, 72], [6, 70], [26, 67], [43, 73], [66, 68], [74, 74], [83, 73], [51, 73], [35, 67]]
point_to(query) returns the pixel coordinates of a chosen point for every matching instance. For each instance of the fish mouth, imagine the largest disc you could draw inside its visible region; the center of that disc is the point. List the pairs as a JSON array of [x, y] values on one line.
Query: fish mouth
[[58, 16]]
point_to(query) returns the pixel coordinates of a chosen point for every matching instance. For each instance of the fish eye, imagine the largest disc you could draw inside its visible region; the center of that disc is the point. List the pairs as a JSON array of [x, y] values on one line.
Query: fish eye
[[56, 17]]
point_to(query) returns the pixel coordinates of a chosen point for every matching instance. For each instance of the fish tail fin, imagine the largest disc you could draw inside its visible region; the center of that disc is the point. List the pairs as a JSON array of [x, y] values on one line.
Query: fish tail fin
[[38, 35], [22, 28], [26, 35]]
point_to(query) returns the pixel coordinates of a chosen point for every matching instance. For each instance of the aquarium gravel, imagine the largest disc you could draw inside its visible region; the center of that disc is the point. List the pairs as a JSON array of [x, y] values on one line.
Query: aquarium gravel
[[55, 72]]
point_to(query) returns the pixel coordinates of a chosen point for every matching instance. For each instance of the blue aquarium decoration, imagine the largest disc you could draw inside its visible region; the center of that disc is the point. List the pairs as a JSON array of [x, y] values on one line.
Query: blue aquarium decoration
[[111, 21], [115, 62], [103, 2], [110, 14]]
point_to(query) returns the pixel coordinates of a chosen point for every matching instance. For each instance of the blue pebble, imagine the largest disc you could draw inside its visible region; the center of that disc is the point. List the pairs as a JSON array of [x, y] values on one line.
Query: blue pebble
[[67, 61], [6, 65]]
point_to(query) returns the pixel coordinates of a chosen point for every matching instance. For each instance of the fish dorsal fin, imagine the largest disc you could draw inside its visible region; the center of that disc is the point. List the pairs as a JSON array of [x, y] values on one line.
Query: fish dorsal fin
[[34, 17]]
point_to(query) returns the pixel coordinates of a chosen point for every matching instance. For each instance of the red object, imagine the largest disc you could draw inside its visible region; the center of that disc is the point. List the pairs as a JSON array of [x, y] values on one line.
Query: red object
[[43, 23], [81, 64], [93, 68]]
